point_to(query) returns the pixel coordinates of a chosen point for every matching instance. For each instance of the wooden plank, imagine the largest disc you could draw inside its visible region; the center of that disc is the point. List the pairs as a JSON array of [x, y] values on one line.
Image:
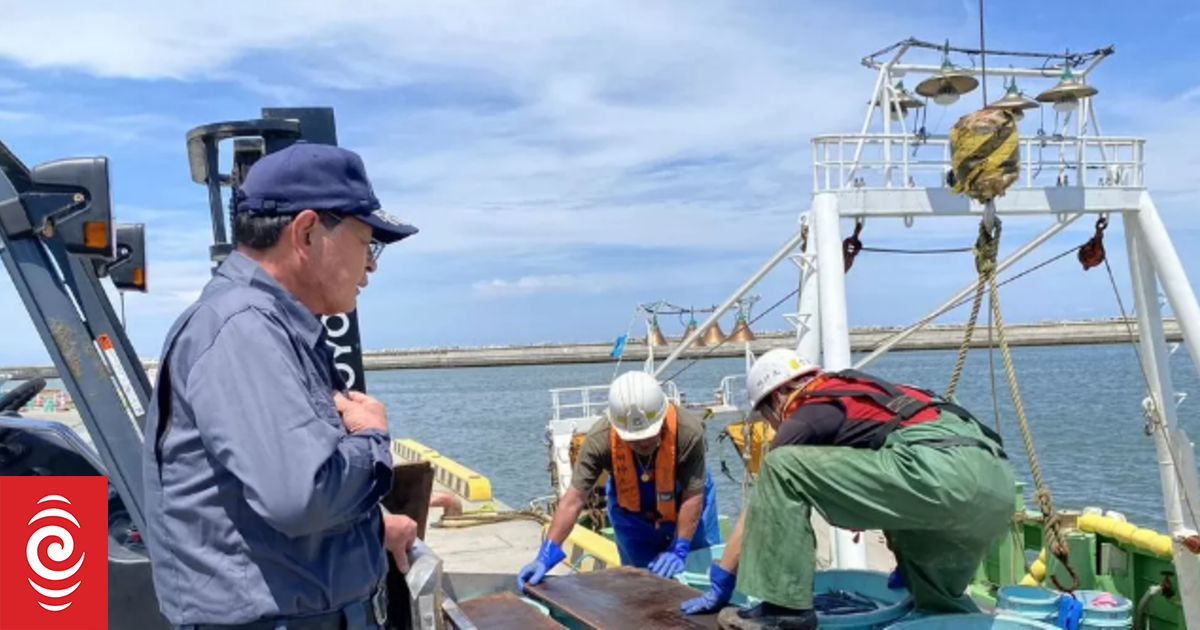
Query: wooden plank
[[506, 611], [412, 486], [621, 598]]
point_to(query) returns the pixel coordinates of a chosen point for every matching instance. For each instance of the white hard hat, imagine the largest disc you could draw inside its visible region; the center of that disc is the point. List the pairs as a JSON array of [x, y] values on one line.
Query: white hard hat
[[773, 369], [636, 406]]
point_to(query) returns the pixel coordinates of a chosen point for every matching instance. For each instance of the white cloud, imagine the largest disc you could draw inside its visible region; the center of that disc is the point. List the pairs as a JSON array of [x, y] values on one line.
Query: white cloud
[[529, 285], [553, 117], [521, 136]]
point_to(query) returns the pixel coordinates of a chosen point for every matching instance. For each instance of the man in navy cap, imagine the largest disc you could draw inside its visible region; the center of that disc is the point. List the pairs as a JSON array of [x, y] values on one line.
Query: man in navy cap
[[263, 474]]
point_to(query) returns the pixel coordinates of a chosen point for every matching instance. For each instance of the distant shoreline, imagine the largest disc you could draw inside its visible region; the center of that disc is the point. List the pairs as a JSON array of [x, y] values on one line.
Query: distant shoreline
[[864, 339]]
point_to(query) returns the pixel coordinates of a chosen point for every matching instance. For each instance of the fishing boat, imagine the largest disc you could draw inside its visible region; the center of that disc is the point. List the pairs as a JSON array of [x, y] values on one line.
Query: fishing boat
[[897, 171]]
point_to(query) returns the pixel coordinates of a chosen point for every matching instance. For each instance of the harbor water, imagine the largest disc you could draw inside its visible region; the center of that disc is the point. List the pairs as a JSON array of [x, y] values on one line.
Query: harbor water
[[1083, 404]]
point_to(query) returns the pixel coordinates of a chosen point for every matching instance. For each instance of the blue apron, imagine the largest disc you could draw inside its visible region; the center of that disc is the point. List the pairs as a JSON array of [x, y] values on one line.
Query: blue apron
[[639, 542]]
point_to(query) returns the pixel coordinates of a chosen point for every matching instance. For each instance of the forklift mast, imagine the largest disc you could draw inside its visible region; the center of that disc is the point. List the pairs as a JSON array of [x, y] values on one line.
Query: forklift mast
[[58, 239]]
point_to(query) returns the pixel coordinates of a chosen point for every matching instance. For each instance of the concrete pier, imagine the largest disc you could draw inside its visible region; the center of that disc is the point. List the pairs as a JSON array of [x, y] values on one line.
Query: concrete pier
[[933, 337]]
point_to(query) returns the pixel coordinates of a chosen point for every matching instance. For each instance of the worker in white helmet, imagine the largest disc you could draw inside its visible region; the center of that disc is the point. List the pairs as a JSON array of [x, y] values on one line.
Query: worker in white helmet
[[867, 454], [661, 499]]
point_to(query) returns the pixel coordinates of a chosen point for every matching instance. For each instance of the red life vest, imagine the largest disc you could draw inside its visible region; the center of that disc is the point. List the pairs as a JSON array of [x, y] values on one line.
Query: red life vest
[[870, 399]]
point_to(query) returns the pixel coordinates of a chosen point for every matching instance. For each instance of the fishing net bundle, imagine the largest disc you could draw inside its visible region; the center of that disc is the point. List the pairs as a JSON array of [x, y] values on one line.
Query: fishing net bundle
[[985, 154]]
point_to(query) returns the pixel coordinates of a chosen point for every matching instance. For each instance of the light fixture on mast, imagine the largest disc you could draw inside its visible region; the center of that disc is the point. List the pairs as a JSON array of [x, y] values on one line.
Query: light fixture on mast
[[1067, 93], [949, 83], [902, 101], [691, 328], [1014, 101]]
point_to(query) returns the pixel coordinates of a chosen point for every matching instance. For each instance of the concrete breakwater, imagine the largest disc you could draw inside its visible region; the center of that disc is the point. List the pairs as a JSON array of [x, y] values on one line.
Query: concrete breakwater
[[933, 337], [942, 337]]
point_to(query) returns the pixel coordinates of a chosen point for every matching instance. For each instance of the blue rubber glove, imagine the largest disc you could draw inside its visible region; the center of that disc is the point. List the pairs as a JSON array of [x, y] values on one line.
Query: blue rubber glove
[[718, 594], [896, 580], [671, 561], [1070, 612], [548, 556]]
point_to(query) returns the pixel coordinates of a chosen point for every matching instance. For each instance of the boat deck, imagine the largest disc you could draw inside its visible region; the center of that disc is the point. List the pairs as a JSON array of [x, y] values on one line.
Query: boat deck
[[489, 548]]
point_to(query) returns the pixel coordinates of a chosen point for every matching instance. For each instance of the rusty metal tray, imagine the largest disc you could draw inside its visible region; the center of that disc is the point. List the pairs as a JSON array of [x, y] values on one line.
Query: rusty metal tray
[[621, 598]]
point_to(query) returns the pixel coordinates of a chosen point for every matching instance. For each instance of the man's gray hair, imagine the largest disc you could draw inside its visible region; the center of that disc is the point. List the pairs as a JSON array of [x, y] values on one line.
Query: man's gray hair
[[259, 233]]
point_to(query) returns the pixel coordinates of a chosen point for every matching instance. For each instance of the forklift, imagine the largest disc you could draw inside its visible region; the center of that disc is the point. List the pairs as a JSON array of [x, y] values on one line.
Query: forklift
[[58, 240]]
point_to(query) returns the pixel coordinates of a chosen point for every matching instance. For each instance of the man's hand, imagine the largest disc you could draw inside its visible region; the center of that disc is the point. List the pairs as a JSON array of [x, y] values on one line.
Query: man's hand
[[399, 534], [361, 411], [670, 562], [718, 594], [549, 555]]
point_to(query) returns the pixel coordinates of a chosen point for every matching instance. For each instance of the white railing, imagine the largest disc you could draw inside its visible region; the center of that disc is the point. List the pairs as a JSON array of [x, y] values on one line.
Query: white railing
[[572, 403], [588, 401], [878, 160], [732, 391], [672, 392]]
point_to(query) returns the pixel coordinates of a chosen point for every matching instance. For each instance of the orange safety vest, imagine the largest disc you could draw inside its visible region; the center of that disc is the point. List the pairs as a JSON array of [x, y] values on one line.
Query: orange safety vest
[[625, 478]]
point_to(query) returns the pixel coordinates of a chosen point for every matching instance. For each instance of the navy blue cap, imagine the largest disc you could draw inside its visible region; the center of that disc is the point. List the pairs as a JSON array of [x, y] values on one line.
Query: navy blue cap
[[323, 177]]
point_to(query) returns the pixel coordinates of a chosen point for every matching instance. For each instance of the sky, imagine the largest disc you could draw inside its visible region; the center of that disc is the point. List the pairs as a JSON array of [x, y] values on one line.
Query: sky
[[567, 161]]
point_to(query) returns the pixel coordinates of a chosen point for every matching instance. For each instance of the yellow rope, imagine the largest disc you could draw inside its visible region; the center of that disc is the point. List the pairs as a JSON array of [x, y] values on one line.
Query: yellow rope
[[987, 248], [483, 517]]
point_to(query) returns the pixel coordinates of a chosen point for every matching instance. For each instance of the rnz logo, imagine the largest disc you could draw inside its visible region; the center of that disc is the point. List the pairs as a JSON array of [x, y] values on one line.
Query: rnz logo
[[61, 550], [54, 553]]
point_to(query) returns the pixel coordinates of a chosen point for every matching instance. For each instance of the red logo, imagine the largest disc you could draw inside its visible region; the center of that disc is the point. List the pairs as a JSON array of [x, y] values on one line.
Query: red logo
[[54, 553]]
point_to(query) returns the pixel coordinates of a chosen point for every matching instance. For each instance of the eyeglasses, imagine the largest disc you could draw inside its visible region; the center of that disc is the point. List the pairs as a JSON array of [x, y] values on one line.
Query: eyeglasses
[[374, 247]]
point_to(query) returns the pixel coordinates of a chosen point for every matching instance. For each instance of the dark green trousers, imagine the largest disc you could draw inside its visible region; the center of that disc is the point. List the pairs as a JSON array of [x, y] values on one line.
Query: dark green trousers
[[941, 509]]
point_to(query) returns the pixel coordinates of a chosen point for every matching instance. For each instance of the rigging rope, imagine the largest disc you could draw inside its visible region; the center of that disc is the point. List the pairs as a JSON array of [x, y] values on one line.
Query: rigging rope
[[1092, 254], [934, 250], [986, 249], [852, 245]]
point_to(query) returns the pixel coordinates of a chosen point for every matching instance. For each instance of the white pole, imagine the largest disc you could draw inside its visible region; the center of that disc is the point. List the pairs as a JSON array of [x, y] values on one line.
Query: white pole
[[1154, 360], [835, 338], [1012, 258], [1155, 244], [1170, 272]]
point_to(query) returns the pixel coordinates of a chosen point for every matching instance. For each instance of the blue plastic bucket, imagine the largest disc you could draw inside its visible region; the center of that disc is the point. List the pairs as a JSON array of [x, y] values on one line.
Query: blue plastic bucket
[[1031, 602], [699, 560], [1108, 617], [974, 621], [869, 584]]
